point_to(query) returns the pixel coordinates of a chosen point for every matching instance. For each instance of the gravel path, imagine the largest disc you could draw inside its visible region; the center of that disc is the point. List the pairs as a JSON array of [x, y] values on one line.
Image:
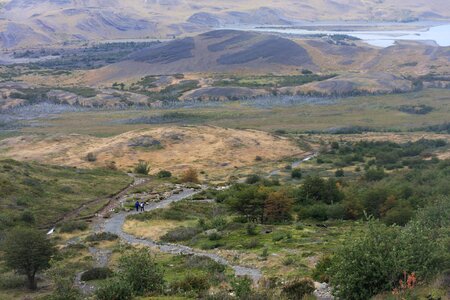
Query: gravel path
[[115, 224]]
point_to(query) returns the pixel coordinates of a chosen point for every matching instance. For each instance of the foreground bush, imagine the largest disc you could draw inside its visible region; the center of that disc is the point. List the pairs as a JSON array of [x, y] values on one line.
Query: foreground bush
[[375, 261], [114, 289], [139, 270]]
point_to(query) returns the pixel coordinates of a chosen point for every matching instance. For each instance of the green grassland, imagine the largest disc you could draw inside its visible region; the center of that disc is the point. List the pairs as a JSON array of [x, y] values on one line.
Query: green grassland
[[42, 194], [379, 113]]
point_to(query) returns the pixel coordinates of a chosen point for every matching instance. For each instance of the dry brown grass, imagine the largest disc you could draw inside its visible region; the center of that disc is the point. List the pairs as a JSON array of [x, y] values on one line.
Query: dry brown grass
[[211, 149]]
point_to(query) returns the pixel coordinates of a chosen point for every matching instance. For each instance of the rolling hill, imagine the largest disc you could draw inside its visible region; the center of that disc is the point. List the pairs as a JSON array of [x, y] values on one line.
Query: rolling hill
[[25, 23]]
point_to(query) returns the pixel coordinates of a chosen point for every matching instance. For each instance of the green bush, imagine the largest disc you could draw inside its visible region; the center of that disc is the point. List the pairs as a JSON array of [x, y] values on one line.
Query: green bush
[[10, 281], [164, 174], [296, 289], [191, 282], [142, 168], [72, 226], [336, 212], [296, 174], [252, 244], [339, 173], [321, 270], [366, 265], [242, 287], [251, 229], [114, 289], [316, 211], [138, 270], [399, 215]]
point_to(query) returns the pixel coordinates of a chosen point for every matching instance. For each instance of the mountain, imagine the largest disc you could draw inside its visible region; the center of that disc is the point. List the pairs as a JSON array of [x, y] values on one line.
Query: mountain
[[25, 23], [232, 51]]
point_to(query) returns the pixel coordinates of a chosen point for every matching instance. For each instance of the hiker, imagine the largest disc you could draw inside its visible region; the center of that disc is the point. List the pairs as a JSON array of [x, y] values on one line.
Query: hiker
[[142, 206], [137, 204]]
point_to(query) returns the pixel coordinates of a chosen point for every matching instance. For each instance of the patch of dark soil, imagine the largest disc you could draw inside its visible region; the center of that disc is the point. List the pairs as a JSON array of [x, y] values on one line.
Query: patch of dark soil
[[273, 49], [166, 53]]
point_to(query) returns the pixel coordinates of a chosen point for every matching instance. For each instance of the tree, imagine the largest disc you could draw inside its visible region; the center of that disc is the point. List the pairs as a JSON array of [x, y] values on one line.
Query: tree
[[296, 174], [278, 207], [190, 175], [27, 251], [248, 201]]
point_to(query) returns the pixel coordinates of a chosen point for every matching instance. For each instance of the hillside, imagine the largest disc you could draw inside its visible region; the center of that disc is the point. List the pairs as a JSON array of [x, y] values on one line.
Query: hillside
[[32, 22], [210, 149], [42, 194]]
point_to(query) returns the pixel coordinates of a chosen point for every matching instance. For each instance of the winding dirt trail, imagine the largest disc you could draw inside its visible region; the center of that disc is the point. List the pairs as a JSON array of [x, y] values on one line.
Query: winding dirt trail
[[115, 225]]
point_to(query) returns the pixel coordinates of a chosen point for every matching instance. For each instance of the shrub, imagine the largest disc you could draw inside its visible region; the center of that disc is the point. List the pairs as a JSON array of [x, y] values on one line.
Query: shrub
[[96, 273], [339, 173], [114, 289], [102, 236], [336, 212], [399, 215], [215, 236], [164, 174], [366, 265], [72, 226], [180, 234], [296, 289], [252, 244], [321, 270], [374, 174], [296, 174], [90, 157], [242, 287], [278, 236], [315, 211], [12, 281], [190, 176], [251, 229], [191, 282], [27, 217], [138, 270], [142, 168], [252, 179]]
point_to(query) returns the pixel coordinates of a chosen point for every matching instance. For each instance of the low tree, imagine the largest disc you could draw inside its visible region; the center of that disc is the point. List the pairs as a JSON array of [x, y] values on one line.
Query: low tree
[[27, 251], [190, 175], [278, 207]]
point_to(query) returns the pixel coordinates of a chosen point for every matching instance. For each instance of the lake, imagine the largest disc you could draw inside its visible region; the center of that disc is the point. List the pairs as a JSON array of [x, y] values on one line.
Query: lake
[[439, 34]]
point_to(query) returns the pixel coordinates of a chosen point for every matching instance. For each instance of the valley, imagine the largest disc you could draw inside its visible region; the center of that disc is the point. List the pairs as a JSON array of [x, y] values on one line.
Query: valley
[[177, 149]]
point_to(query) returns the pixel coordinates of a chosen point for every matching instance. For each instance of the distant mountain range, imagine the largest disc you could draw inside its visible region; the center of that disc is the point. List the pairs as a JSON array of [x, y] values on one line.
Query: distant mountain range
[[26, 23]]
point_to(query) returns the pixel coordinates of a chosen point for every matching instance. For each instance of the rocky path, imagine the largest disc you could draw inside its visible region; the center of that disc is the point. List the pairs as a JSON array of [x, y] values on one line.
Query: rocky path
[[115, 224]]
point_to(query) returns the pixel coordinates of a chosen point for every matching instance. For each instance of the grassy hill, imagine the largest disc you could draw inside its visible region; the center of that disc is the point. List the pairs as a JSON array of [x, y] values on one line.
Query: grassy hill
[[41, 194]]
